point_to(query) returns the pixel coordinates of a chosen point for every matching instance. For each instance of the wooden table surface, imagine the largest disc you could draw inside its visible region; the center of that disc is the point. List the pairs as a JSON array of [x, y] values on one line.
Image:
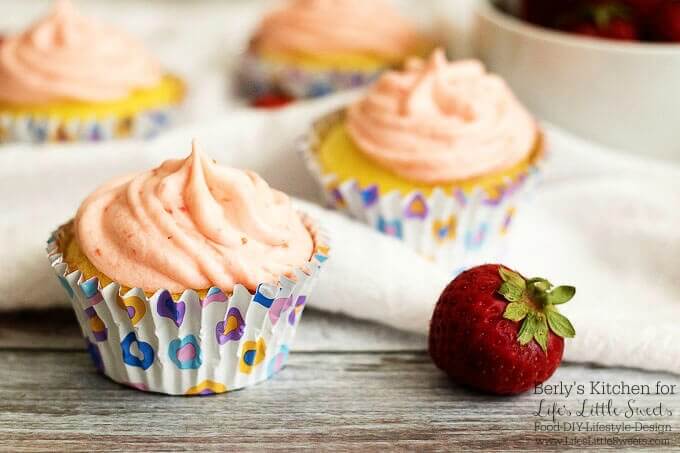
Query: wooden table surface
[[349, 385]]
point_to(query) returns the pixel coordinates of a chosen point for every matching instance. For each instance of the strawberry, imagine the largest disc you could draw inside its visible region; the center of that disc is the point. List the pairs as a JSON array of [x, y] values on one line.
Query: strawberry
[[271, 101], [600, 18], [666, 21], [643, 8], [544, 12], [495, 331], [584, 29], [618, 28]]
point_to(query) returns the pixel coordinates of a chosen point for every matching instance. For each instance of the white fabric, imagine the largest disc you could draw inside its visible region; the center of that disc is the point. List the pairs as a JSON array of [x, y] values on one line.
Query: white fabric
[[602, 221]]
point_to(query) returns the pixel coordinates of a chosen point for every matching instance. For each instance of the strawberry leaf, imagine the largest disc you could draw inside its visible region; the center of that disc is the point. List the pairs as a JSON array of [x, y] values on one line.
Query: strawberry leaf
[[560, 324], [561, 294], [516, 311], [533, 302], [539, 284], [511, 277], [511, 292], [526, 332], [541, 333]]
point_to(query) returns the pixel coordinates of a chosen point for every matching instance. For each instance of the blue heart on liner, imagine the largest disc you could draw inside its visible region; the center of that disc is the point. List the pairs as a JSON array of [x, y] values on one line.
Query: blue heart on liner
[[168, 308], [144, 348], [95, 355], [66, 286], [185, 353]]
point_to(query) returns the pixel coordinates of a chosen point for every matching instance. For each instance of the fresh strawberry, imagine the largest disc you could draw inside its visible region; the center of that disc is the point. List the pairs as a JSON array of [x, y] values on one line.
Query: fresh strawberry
[[272, 101], [621, 29], [601, 18], [583, 28], [666, 21], [495, 331], [544, 12], [643, 9]]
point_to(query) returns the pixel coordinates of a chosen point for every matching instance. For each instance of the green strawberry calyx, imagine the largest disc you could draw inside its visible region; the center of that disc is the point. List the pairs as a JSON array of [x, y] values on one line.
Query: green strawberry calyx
[[534, 301], [603, 14]]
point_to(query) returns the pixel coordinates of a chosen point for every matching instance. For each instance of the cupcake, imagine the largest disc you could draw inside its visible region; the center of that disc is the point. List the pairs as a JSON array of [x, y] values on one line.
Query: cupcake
[[310, 48], [189, 278], [436, 155], [70, 78]]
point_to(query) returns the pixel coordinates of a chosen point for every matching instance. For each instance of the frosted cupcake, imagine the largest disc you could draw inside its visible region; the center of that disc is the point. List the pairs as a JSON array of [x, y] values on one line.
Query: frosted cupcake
[[70, 78], [435, 155], [310, 48], [189, 278]]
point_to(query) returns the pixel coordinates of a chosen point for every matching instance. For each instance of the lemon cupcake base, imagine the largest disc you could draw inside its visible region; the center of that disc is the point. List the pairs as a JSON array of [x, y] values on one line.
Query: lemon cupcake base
[[459, 224], [194, 343], [339, 155], [141, 115]]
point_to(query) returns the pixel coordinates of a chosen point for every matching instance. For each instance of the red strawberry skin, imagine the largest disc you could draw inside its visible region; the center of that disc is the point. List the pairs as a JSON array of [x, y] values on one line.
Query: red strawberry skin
[[620, 29], [545, 12], [666, 21], [472, 342], [616, 29], [271, 101], [584, 29], [643, 8]]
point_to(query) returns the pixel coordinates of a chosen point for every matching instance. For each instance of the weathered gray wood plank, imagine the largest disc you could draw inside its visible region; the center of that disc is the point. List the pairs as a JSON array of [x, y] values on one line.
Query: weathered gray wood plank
[[339, 401]]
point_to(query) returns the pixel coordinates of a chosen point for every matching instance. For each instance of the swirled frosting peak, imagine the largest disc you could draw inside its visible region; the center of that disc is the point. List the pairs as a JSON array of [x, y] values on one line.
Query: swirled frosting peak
[[438, 122], [312, 27], [66, 56], [192, 224]]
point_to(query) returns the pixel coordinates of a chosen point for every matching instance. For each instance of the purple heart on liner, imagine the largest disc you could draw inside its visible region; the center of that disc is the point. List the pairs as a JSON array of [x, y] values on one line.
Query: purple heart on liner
[[231, 329], [299, 305], [168, 308], [279, 306]]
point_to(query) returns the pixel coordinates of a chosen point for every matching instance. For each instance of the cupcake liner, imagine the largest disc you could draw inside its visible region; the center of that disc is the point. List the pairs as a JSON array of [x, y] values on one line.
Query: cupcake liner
[[454, 227], [258, 76], [192, 345], [41, 128]]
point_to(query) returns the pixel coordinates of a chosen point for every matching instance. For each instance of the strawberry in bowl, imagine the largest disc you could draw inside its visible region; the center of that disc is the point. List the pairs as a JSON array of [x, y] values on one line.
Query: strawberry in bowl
[[666, 21], [627, 20], [498, 332]]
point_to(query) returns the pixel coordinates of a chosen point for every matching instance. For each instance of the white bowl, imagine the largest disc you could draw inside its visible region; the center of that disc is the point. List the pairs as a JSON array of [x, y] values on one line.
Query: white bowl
[[626, 95]]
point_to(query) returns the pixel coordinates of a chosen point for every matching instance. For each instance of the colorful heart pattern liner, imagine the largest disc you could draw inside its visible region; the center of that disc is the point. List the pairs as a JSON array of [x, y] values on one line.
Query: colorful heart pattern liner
[[454, 227], [44, 129], [187, 344], [259, 77]]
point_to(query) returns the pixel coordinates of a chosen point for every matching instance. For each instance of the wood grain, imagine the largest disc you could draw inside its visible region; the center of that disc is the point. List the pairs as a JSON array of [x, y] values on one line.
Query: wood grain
[[350, 385], [336, 401]]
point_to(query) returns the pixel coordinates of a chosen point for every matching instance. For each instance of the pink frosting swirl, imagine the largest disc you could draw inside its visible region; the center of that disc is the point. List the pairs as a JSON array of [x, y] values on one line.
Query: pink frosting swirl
[[342, 26], [192, 224], [438, 122], [66, 56]]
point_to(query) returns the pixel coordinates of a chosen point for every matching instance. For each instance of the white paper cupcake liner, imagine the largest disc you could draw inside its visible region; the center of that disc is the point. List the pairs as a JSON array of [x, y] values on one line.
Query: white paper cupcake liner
[[192, 345], [258, 76], [41, 129], [454, 228]]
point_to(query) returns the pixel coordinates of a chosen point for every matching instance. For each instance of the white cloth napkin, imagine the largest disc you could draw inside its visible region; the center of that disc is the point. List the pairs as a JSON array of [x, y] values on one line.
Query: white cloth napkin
[[602, 221]]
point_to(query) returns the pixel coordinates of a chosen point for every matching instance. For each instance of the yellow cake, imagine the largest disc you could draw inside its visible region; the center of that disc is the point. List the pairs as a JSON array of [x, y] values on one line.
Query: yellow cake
[[309, 48], [70, 78]]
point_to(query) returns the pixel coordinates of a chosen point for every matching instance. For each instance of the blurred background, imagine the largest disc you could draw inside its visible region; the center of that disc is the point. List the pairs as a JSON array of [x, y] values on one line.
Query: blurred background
[[623, 94], [200, 40], [594, 73]]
